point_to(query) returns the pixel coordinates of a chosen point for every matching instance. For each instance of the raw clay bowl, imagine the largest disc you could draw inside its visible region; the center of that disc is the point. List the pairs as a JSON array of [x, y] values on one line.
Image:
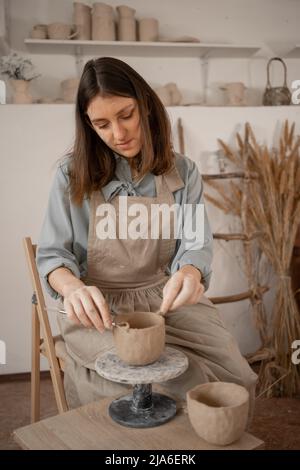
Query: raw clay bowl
[[218, 411], [144, 341]]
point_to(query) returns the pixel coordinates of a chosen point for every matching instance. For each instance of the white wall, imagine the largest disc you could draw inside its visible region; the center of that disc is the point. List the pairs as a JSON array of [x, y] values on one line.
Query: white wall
[[272, 24], [34, 137]]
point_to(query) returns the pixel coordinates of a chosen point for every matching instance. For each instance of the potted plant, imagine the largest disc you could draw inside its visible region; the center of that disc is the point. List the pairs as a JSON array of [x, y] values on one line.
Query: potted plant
[[20, 72]]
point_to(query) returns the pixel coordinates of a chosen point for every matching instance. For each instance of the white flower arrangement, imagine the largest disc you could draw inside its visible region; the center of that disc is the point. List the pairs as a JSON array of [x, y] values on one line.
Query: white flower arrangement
[[17, 67]]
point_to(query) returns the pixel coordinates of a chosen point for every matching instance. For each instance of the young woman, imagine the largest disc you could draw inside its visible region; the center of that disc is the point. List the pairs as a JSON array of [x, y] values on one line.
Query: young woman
[[122, 159]]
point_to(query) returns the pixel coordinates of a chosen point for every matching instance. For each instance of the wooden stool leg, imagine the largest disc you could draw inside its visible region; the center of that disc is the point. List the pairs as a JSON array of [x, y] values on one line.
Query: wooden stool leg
[[35, 366]]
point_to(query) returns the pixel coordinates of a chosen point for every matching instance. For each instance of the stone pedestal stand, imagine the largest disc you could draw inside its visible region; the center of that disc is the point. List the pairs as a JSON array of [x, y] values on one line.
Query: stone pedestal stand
[[142, 409]]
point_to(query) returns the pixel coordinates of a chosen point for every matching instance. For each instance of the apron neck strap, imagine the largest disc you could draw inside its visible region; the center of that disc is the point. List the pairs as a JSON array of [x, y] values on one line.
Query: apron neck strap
[[170, 181]]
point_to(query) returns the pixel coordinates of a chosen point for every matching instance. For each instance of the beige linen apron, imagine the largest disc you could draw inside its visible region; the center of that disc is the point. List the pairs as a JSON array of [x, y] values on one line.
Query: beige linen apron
[[131, 275]]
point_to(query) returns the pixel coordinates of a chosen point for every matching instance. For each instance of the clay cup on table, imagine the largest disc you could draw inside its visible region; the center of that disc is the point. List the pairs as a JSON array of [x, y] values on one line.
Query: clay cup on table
[[218, 411], [142, 341]]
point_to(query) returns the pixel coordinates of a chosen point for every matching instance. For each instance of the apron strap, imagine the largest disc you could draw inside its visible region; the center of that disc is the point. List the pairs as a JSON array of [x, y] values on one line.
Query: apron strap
[[171, 181]]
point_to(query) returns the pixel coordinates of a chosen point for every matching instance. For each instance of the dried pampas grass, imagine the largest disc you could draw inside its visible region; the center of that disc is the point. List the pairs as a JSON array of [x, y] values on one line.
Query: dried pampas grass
[[270, 204]]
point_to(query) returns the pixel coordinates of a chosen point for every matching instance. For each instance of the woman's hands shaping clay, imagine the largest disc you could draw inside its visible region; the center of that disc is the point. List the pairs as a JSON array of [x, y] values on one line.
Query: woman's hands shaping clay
[[183, 288], [86, 305]]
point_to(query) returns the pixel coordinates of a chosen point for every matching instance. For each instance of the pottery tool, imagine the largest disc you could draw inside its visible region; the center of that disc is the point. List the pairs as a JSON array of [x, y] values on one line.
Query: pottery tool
[[114, 323], [142, 409]]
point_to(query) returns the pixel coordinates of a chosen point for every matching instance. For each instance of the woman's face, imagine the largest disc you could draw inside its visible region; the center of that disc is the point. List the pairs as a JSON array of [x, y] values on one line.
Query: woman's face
[[116, 119]]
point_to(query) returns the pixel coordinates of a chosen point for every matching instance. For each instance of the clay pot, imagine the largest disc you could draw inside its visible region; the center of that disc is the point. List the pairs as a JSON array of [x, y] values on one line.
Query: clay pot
[[169, 94], [21, 94], [82, 19], [148, 29], [218, 411], [38, 34], [143, 341], [235, 93], [39, 31], [176, 96], [69, 89], [164, 95]]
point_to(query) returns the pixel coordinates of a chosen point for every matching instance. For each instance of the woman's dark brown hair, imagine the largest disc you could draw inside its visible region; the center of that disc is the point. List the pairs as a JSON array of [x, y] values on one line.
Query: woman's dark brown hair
[[92, 163]]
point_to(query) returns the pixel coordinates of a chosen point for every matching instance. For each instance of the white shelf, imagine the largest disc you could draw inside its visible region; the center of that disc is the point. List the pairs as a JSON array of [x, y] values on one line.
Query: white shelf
[[294, 53], [146, 49]]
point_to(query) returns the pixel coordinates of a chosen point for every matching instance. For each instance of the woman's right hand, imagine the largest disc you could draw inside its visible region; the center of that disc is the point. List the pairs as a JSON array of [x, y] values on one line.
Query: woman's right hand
[[86, 305]]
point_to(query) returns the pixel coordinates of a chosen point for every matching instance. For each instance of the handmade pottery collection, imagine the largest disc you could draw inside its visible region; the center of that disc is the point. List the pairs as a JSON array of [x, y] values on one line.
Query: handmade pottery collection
[[103, 22], [142, 341], [100, 22], [218, 411]]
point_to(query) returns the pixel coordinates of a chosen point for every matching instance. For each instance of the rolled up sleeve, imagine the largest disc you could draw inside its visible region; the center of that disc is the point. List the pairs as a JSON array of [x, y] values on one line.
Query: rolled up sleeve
[[56, 238], [197, 252]]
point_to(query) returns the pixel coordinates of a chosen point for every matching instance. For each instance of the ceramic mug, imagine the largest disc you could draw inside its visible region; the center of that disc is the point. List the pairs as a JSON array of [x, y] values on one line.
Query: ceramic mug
[[61, 31]]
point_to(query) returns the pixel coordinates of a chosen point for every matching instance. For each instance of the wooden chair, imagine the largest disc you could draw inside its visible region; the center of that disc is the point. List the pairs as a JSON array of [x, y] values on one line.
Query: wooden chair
[[53, 347]]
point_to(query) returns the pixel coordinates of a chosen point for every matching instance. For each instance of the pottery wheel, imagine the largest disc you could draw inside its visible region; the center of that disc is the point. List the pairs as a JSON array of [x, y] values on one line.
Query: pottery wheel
[[143, 408], [171, 364]]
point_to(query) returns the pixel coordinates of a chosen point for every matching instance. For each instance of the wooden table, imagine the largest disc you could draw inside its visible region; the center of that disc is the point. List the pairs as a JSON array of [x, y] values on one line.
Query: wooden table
[[90, 427]]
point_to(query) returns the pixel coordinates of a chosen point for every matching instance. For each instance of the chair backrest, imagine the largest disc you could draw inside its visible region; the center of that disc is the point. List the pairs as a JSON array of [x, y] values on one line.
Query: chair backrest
[[39, 301], [30, 251]]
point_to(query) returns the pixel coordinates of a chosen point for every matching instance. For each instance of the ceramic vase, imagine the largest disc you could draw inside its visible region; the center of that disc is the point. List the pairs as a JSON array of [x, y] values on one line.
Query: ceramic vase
[[103, 24], [148, 29], [69, 89], [164, 95], [126, 23], [175, 94], [235, 93], [82, 19], [21, 94]]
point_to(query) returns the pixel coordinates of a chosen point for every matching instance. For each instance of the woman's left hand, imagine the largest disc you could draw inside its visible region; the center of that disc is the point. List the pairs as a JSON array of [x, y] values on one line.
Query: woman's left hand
[[183, 288]]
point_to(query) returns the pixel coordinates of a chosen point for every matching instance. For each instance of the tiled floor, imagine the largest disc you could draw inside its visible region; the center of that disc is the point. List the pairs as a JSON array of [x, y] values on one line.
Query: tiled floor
[[276, 420]]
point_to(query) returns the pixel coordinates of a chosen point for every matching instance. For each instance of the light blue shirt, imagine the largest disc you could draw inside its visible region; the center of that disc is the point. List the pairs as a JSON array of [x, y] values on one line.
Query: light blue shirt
[[64, 235]]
